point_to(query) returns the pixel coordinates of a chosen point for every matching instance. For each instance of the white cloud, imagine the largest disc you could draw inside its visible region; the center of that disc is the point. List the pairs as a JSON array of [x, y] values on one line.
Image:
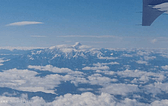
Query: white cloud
[[26, 80], [84, 99], [38, 36], [98, 79], [142, 62], [108, 58], [22, 101], [55, 69], [139, 76], [106, 72], [143, 53], [160, 103], [22, 23], [165, 67], [149, 58], [96, 68], [85, 89], [2, 60], [156, 88], [142, 75], [127, 55], [120, 89], [154, 40], [101, 64]]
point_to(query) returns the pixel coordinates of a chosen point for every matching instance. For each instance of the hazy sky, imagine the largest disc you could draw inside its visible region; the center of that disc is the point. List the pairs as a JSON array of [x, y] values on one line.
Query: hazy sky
[[97, 23]]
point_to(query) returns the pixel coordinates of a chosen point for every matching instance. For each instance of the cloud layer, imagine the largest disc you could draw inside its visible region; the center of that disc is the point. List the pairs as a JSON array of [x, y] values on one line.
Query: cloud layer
[[84, 99]]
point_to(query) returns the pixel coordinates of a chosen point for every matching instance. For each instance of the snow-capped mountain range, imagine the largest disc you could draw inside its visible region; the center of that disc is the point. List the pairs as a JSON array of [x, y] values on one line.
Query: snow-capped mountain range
[[64, 73]]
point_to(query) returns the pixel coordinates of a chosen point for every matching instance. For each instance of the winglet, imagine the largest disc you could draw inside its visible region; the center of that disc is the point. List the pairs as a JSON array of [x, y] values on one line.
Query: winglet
[[150, 14]]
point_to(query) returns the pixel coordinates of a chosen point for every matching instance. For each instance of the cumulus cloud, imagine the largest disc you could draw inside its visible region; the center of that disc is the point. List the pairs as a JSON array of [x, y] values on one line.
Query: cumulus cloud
[[54, 69], [105, 82], [49, 68], [100, 66], [26, 80], [142, 75], [149, 57], [139, 77], [157, 88], [96, 68], [22, 101], [141, 62], [143, 53], [165, 67], [160, 103], [106, 72], [111, 63], [84, 99], [108, 58], [127, 55], [98, 79], [85, 89], [120, 89], [22, 23]]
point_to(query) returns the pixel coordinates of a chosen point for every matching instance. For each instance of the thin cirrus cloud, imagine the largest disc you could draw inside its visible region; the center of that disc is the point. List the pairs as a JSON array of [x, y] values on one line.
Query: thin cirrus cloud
[[83, 36], [23, 23], [38, 36]]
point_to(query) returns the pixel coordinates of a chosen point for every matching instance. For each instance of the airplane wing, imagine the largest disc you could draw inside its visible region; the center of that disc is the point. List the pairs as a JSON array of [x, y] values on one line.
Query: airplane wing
[[149, 13]]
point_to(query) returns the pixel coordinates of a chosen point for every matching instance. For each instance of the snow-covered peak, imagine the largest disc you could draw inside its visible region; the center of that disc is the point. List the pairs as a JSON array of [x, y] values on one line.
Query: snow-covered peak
[[77, 45], [70, 50]]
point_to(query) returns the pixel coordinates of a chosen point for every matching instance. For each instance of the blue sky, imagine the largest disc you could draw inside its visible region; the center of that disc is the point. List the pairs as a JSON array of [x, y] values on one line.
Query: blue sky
[[97, 23]]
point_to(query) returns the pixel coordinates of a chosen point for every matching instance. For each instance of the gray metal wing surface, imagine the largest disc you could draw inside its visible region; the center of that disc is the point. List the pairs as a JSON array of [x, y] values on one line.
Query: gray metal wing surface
[[149, 13]]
